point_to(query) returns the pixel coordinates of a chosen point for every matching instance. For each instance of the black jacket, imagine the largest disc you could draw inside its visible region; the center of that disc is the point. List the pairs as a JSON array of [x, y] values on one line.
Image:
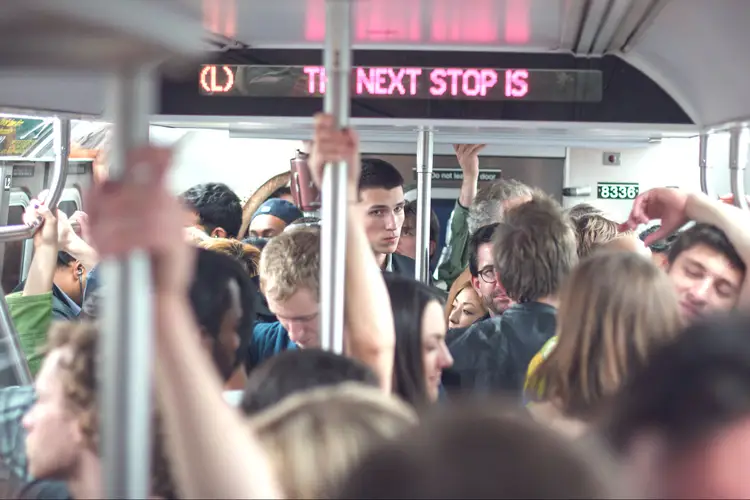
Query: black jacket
[[493, 355]]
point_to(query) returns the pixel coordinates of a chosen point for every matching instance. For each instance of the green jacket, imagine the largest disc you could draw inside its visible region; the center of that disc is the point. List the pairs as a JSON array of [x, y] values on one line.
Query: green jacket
[[455, 256]]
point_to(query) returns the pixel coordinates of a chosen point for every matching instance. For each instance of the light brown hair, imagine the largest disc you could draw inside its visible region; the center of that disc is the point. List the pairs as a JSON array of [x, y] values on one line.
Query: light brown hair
[[290, 261], [314, 438], [78, 369], [534, 249], [593, 230], [245, 253], [615, 309]]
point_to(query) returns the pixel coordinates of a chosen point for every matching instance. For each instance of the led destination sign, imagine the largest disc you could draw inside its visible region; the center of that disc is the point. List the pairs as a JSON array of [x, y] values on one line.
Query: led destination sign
[[406, 83]]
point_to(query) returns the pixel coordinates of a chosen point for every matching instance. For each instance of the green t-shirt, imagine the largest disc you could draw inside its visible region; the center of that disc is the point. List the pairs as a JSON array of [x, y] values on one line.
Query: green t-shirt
[[32, 315]]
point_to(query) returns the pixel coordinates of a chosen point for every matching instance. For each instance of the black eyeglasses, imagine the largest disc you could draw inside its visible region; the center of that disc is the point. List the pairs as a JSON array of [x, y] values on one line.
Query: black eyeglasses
[[488, 275]]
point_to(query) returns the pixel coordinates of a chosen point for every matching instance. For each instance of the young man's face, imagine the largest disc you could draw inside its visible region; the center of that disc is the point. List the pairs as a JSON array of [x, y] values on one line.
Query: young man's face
[[706, 281], [298, 315], [54, 439], [384, 217]]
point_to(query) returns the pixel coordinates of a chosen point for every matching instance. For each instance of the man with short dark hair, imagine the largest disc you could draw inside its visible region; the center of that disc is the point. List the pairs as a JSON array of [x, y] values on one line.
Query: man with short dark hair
[[381, 196], [484, 278], [534, 250], [707, 262], [216, 209]]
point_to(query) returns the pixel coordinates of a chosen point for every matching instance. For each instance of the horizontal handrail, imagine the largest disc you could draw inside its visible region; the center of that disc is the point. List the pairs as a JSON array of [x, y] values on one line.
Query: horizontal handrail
[[59, 174]]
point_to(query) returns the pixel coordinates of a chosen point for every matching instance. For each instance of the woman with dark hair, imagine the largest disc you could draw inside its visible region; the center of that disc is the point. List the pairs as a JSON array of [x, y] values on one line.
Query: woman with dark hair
[[421, 353]]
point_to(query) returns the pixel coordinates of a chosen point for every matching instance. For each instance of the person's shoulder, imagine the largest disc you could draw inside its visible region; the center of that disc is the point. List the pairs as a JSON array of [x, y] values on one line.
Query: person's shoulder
[[403, 263], [268, 331]]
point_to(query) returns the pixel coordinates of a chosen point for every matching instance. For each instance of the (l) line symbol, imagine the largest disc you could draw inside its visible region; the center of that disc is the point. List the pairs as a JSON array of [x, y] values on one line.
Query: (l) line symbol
[[208, 80]]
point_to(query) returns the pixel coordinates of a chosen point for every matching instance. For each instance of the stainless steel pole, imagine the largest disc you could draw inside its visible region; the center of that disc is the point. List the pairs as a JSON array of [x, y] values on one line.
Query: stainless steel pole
[[737, 161], [703, 163], [127, 319], [424, 203], [337, 60]]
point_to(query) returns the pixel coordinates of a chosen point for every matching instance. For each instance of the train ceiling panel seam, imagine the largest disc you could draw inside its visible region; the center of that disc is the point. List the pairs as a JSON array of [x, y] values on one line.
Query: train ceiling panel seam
[[632, 22], [572, 16], [615, 15], [596, 12]]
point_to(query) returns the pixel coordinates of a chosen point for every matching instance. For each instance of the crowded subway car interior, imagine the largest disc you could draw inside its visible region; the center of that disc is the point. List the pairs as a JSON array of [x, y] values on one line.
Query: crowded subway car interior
[[374, 249]]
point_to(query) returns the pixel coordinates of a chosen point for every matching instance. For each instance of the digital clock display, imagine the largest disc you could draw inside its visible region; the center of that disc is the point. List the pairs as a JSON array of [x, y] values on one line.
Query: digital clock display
[[406, 82]]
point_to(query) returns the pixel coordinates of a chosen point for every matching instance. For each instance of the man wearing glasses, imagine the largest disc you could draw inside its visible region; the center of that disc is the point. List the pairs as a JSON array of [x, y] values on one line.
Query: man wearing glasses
[[483, 276]]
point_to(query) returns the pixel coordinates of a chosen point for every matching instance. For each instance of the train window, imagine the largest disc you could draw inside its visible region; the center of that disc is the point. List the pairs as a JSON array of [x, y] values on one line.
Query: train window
[[13, 253]]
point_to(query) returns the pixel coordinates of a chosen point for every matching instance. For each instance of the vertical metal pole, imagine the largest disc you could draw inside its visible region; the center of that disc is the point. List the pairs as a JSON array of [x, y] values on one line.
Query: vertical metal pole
[[737, 161], [127, 319], [424, 203], [338, 64], [6, 170], [703, 163]]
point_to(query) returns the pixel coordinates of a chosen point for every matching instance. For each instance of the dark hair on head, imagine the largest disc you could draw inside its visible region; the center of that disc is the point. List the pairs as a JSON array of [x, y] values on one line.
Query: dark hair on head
[[217, 207], [410, 219], [379, 174], [534, 249], [691, 387], [64, 259], [210, 295], [483, 235], [710, 236], [409, 298], [282, 191], [297, 371]]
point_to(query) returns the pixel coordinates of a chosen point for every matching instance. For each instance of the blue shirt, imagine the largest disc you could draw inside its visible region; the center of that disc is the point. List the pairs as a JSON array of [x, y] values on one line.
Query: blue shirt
[[269, 339]]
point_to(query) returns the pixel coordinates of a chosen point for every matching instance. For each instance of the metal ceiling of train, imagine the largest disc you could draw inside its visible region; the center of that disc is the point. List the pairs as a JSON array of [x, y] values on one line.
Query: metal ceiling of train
[[694, 49]]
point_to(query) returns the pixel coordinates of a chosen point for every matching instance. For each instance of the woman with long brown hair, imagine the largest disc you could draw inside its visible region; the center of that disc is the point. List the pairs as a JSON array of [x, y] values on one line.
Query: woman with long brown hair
[[615, 308]]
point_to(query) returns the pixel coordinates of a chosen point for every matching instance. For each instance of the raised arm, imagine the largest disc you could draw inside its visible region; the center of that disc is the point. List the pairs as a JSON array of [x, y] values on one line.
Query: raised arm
[[370, 330], [212, 453], [44, 263], [676, 207], [734, 222]]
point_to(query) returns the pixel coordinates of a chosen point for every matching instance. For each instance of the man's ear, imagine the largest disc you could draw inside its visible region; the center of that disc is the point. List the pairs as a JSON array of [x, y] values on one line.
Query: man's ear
[[475, 284], [433, 246], [77, 269], [218, 233]]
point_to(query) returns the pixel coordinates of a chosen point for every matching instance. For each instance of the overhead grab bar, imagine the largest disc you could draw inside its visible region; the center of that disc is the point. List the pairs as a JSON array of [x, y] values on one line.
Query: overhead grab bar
[[703, 163], [57, 184], [424, 204], [737, 162], [337, 58]]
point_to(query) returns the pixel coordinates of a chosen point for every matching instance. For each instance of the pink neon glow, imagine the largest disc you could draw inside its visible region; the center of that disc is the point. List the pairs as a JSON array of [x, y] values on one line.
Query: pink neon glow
[[208, 81], [516, 82], [315, 20], [456, 82], [517, 24]]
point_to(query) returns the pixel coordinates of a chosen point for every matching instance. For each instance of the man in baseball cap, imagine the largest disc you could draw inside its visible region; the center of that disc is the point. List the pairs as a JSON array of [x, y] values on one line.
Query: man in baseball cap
[[272, 217]]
